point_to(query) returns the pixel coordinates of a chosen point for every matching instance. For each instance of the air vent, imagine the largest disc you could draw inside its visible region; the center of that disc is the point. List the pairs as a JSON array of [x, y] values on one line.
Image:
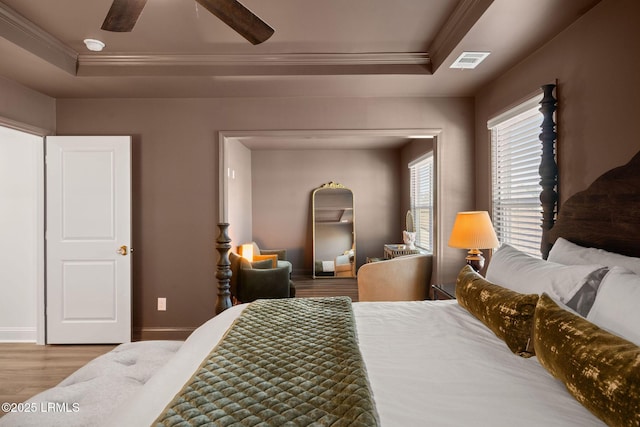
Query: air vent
[[469, 59]]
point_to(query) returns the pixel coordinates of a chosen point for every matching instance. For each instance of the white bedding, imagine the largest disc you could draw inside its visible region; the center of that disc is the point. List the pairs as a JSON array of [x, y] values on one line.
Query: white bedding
[[327, 267], [429, 363]]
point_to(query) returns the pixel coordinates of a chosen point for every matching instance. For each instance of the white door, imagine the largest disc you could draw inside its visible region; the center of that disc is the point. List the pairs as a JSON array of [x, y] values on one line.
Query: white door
[[88, 239]]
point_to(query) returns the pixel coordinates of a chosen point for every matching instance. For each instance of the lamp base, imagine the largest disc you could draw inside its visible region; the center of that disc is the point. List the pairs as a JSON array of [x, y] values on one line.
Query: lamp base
[[475, 259]]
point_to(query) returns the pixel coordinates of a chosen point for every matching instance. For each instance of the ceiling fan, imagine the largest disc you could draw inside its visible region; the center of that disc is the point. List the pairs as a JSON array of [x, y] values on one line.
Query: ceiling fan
[[123, 14]]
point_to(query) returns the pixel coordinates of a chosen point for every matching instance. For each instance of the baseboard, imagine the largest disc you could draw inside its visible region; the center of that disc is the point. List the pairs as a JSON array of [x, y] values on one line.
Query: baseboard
[[302, 273], [18, 334], [162, 333]]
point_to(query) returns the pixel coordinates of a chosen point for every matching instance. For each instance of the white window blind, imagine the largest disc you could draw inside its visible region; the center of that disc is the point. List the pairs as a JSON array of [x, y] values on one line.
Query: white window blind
[[421, 175], [516, 154]]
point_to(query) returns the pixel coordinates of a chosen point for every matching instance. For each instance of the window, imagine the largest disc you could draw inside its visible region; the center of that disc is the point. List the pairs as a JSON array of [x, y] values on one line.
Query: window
[[516, 153], [421, 176]]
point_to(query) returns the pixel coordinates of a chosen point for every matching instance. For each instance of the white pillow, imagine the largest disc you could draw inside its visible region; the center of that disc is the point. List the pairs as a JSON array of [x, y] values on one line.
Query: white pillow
[[568, 253], [617, 305], [523, 273]]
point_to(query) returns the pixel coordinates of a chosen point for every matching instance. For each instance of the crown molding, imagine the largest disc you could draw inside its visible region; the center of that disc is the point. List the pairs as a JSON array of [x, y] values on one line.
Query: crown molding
[[25, 34], [461, 20], [260, 59], [263, 64]]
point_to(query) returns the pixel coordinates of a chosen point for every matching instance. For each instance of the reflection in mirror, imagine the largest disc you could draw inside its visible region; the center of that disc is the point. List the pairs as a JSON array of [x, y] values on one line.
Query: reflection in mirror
[[334, 243]]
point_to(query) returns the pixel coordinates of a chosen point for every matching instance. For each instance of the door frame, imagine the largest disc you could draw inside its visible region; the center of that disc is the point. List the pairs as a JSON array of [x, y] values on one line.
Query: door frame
[[41, 316], [40, 221]]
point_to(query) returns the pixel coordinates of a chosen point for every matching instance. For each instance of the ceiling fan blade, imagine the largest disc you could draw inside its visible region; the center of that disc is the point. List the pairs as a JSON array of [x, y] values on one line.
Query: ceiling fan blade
[[122, 15], [241, 19]]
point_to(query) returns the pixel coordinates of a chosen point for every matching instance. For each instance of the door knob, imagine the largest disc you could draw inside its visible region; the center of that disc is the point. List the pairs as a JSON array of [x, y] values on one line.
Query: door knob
[[122, 250]]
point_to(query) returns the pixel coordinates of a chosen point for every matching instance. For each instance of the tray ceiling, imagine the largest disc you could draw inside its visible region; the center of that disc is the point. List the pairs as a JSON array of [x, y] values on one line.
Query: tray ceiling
[[320, 48]]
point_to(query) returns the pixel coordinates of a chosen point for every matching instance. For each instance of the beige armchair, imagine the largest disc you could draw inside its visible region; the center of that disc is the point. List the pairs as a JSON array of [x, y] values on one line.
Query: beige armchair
[[404, 278]]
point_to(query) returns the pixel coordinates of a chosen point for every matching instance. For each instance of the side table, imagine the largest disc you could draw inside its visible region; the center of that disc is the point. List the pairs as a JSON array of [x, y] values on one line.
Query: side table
[[392, 251], [442, 291]]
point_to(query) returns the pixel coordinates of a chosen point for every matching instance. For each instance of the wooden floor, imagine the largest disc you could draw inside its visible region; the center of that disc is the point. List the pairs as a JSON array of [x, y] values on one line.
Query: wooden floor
[[27, 369], [308, 287]]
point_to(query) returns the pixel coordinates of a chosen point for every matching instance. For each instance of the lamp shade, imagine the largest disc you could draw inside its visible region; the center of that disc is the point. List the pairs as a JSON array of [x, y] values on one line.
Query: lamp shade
[[473, 230], [246, 251]]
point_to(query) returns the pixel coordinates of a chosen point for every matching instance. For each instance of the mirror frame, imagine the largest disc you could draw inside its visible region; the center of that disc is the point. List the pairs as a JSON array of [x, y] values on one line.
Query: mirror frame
[[331, 185]]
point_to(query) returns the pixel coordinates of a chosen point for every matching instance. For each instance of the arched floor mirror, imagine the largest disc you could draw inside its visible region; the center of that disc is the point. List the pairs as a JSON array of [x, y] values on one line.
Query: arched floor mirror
[[334, 240]]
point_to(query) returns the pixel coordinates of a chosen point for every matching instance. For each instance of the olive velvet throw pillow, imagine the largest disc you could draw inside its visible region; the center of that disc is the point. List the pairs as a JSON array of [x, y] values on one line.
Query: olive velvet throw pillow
[[507, 313], [601, 370]]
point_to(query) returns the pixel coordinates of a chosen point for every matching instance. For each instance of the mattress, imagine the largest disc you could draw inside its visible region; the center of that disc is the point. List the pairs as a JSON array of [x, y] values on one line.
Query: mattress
[[429, 363]]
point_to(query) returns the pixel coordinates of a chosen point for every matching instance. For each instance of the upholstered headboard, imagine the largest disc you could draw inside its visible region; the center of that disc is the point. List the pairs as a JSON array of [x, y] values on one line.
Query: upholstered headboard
[[606, 215]]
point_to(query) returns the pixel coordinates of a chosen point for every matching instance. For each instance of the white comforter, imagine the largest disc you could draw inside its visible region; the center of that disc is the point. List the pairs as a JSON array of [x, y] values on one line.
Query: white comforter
[[430, 363]]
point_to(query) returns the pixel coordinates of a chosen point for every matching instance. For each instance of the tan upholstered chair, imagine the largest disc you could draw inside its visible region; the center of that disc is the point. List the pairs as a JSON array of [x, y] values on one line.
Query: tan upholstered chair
[[404, 278]]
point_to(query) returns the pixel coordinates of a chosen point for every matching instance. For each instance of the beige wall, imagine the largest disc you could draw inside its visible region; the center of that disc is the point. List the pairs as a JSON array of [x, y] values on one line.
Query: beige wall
[[175, 176], [26, 109], [598, 70], [239, 193]]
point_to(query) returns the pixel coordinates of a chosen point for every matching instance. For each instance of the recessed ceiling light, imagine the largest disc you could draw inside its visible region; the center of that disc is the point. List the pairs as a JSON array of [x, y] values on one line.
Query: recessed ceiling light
[[469, 60], [94, 45]]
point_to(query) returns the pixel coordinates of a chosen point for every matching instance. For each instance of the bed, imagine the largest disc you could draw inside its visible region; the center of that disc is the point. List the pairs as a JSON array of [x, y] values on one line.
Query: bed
[[341, 266], [468, 361], [325, 268]]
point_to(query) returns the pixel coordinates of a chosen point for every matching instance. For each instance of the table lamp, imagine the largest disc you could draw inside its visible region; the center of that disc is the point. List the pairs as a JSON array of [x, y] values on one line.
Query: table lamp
[[473, 231]]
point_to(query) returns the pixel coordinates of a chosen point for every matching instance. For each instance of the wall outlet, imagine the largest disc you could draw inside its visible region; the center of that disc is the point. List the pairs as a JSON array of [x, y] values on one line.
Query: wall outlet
[[162, 304]]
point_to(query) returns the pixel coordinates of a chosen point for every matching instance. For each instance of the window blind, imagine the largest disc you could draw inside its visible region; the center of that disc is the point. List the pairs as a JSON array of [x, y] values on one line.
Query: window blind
[[421, 175], [516, 154]]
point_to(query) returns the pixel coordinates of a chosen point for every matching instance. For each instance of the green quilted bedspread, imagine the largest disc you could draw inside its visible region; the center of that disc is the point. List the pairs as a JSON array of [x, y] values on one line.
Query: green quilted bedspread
[[287, 362]]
